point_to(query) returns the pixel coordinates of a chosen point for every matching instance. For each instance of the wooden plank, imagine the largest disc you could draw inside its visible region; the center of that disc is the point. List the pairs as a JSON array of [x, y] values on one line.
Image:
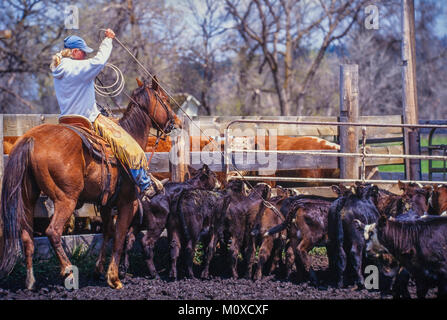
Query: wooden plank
[[220, 123], [2, 163], [179, 154], [249, 129], [395, 149], [285, 162], [16, 125], [160, 160], [45, 209], [327, 191], [409, 87], [349, 112]]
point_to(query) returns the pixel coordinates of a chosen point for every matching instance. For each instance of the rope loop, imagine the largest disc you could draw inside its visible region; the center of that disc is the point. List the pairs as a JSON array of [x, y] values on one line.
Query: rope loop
[[115, 88]]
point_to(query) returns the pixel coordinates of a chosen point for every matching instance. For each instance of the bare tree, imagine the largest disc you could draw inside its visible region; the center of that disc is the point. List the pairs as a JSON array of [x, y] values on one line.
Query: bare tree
[[279, 27], [208, 26]]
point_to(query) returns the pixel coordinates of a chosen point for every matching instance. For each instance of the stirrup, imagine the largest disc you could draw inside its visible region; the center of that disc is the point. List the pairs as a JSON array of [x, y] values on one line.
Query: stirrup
[[149, 193], [156, 183]]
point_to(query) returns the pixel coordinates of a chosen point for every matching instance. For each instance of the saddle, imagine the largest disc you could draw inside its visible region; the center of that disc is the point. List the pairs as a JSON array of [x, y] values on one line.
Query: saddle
[[98, 148]]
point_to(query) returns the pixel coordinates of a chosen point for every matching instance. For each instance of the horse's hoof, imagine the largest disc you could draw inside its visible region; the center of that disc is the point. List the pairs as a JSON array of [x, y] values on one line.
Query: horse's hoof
[[116, 284], [31, 285]]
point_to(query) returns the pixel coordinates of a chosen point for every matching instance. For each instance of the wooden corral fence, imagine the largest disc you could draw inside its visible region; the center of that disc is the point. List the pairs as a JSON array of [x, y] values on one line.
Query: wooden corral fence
[[384, 140], [15, 125]]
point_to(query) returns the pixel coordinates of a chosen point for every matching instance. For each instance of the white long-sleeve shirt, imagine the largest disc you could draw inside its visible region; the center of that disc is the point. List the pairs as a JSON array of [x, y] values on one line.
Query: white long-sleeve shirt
[[74, 82]]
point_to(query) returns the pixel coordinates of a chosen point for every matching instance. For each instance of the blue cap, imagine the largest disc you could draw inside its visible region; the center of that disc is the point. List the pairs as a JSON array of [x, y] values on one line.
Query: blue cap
[[73, 42]]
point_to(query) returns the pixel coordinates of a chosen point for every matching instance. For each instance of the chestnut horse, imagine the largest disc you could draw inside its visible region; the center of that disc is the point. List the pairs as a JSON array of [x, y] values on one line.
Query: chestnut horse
[[52, 159]]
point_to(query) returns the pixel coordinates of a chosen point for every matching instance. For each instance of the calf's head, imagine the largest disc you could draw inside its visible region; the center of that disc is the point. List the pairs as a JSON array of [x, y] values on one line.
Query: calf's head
[[415, 196], [204, 178], [370, 233], [437, 201]]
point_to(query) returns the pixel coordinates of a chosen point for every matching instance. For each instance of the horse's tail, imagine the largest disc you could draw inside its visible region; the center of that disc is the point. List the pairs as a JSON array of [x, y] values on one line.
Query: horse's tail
[[12, 210]]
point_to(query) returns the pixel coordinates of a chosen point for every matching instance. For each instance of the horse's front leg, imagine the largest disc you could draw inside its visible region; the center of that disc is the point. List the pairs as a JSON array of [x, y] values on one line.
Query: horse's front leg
[[126, 212]]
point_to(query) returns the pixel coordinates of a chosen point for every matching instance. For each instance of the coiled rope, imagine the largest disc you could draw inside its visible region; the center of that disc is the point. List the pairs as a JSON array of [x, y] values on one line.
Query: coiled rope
[[115, 88], [265, 202]]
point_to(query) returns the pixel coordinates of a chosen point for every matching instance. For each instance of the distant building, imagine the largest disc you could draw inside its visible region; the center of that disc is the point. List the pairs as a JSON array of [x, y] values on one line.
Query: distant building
[[187, 102]]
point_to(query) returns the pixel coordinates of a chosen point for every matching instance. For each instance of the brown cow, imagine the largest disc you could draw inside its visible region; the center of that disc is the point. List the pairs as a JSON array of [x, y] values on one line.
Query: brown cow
[[438, 200], [307, 225], [301, 143], [243, 214], [271, 248]]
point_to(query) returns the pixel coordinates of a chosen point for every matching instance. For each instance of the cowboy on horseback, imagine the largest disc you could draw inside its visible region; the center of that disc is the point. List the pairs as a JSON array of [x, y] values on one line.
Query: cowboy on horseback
[[74, 77]]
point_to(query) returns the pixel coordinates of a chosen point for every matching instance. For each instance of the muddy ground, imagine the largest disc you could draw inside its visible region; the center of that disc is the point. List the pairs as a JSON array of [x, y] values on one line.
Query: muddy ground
[[138, 286]]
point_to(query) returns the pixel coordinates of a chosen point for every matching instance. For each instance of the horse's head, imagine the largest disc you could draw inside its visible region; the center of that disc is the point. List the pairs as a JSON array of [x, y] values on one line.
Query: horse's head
[[155, 102]]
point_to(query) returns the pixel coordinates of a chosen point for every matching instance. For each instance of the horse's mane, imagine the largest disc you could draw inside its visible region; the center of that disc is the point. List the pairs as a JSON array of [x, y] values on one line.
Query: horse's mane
[[135, 120]]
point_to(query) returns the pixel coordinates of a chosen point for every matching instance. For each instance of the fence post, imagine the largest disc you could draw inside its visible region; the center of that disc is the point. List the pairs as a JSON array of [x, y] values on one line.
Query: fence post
[[1, 153], [179, 154], [409, 90], [1, 180], [349, 112]]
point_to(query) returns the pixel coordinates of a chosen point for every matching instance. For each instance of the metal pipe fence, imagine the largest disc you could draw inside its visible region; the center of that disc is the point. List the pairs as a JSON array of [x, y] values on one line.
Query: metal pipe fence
[[363, 155]]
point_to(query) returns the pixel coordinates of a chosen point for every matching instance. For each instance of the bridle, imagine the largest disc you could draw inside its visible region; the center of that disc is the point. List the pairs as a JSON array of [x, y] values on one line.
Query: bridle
[[162, 133]]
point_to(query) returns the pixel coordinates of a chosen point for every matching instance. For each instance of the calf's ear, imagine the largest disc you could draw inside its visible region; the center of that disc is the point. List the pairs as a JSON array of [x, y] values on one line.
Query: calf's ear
[[358, 224], [336, 190], [139, 82], [401, 185], [205, 168]]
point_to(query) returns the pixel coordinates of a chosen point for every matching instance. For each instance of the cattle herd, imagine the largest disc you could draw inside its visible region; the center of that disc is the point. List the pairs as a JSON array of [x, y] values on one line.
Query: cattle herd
[[260, 230], [405, 235]]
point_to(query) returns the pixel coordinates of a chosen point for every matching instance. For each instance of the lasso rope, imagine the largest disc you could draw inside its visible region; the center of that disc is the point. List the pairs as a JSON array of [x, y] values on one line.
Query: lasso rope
[[108, 91], [265, 202]]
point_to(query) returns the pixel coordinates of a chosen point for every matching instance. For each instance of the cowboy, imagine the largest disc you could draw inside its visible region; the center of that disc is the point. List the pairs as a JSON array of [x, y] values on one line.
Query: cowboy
[[74, 77]]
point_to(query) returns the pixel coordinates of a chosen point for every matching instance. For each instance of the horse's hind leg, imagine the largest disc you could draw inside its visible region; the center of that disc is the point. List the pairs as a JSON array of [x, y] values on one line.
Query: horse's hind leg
[[28, 246], [63, 209], [30, 199]]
